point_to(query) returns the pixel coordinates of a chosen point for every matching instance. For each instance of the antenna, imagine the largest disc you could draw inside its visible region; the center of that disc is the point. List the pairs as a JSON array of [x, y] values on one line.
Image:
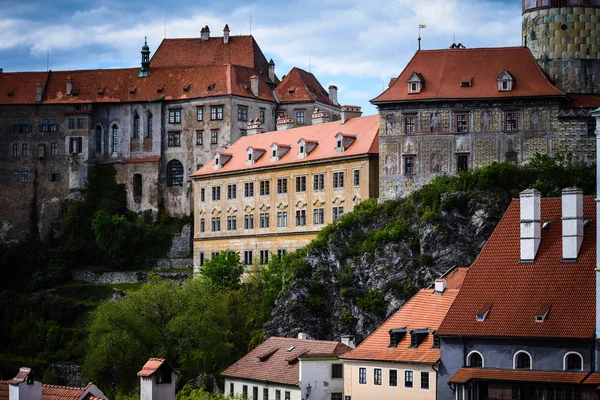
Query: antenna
[[47, 60], [165, 26], [421, 27], [250, 24]]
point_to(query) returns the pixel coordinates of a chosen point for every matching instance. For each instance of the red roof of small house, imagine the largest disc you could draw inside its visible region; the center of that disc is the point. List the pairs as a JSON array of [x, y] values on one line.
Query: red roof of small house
[[3, 390], [517, 291], [425, 310], [365, 128], [444, 70], [464, 375], [301, 86], [151, 366], [54, 392], [276, 359]]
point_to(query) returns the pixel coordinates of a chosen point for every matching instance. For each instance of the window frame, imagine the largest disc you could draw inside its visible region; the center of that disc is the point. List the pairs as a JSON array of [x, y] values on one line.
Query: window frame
[[395, 383], [215, 224], [232, 191], [232, 222], [174, 139], [338, 179], [282, 219], [199, 113], [516, 356], [175, 116], [461, 126], [243, 113], [410, 128], [265, 188], [199, 138], [336, 214], [216, 193], [248, 221], [53, 148], [377, 377], [566, 361], [301, 217], [248, 190], [362, 375], [356, 174], [515, 125], [459, 157], [335, 366], [425, 373], [214, 136], [264, 220], [300, 117], [319, 182], [216, 113], [301, 184], [175, 178], [409, 383], [406, 165], [282, 185], [318, 216]]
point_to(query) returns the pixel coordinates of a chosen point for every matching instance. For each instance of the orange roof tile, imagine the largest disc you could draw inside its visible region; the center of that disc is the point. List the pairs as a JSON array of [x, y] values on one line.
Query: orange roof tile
[[365, 128], [19, 87], [423, 310], [54, 392], [582, 101], [444, 70], [151, 366], [271, 361], [517, 290], [517, 375], [300, 85]]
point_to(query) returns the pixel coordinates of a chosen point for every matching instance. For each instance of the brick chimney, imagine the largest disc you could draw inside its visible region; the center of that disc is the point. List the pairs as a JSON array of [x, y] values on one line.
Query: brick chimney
[[226, 34], [333, 91], [284, 122], [350, 112], [319, 116], [254, 85], [254, 127], [572, 223], [69, 85], [25, 386], [205, 33], [39, 90], [531, 225], [272, 70]]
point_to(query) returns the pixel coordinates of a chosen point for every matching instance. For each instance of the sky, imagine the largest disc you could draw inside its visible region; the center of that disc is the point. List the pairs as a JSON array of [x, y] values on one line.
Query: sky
[[357, 45]]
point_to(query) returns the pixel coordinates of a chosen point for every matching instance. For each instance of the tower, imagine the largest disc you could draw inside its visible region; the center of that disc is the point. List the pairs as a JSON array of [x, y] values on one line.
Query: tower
[[145, 60], [564, 37]]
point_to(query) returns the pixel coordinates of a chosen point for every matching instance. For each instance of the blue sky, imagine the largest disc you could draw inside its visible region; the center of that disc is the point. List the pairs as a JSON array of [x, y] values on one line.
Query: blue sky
[[357, 45]]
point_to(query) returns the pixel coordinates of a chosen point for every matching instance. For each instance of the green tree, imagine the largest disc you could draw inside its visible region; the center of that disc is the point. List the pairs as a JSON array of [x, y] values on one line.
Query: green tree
[[224, 270]]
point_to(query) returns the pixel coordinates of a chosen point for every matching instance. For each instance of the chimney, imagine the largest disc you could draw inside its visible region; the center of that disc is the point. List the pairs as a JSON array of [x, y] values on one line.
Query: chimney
[[1, 70], [440, 285], [205, 33], [25, 386], [69, 85], [302, 335], [350, 112], [348, 341], [254, 127], [38, 93], [272, 70], [333, 94], [157, 380], [254, 85], [319, 117], [531, 226], [226, 34], [284, 122], [572, 223]]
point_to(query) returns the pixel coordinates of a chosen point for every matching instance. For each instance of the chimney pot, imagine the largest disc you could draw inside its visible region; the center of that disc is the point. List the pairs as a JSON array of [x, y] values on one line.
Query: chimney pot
[[38, 93], [284, 122], [205, 33], [226, 34], [272, 70], [254, 85], [302, 335], [350, 112], [69, 86], [319, 116], [531, 226], [333, 92], [572, 222]]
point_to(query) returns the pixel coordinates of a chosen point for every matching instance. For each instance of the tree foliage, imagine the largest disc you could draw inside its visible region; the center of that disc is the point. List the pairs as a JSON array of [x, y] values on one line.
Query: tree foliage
[[224, 270]]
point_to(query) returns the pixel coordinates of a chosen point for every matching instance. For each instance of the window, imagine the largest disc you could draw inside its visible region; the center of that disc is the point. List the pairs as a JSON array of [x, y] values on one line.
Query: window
[[175, 116], [16, 149], [409, 125], [377, 376], [231, 384], [282, 186], [510, 121], [149, 126], [243, 132], [337, 371], [216, 113], [174, 139], [265, 188], [318, 182], [249, 221], [475, 360], [255, 393], [265, 394], [202, 192], [264, 220], [278, 394], [98, 139], [202, 225], [462, 162], [245, 391], [299, 117], [201, 261], [282, 219], [25, 149], [214, 136], [242, 113], [48, 125], [408, 379], [356, 178], [318, 216], [337, 212], [336, 396], [573, 362], [216, 193], [115, 139], [248, 257], [338, 180], [264, 257], [300, 184], [522, 360], [300, 217], [362, 375], [249, 189], [71, 123], [231, 192], [393, 377], [175, 174], [24, 176], [53, 148], [199, 113], [424, 380], [22, 125], [214, 254], [409, 165], [15, 176], [55, 175], [199, 138], [262, 115], [215, 224], [591, 127], [136, 126], [287, 395], [461, 123]]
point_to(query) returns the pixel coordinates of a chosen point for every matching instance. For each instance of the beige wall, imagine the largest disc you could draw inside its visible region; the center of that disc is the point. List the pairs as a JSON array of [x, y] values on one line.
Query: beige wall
[[369, 391]]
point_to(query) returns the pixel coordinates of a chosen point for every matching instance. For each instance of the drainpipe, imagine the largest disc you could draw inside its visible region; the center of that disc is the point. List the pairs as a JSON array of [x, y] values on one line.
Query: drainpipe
[[436, 378]]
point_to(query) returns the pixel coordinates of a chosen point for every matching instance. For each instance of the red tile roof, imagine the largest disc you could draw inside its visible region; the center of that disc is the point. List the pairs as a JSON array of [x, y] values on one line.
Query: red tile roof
[[424, 310], [517, 290], [582, 101], [365, 128], [142, 160], [271, 361], [300, 86], [151, 366], [518, 375], [53, 392], [3, 390], [444, 70], [19, 87]]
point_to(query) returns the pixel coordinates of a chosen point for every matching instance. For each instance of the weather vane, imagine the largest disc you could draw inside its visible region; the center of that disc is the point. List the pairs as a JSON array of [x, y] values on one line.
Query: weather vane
[[421, 26]]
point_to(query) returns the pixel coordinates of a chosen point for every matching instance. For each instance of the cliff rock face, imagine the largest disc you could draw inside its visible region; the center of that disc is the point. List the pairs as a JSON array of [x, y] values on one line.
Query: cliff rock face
[[350, 287]]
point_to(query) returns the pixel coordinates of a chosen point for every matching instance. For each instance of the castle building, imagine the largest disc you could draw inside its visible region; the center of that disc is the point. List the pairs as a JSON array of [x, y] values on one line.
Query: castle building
[[157, 124], [456, 109], [272, 193]]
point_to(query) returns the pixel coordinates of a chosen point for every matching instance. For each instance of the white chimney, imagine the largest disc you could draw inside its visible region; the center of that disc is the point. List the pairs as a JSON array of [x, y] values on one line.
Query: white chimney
[[531, 225], [205, 33], [226, 34], [572, 222], [69, 86], [284, 122], [350, 112], [254, 127], [333, 94], [302, 335], [25, 386], [440, 285], [319, 116], [254, 85], [272, 70], [38, 93], [348, 341]]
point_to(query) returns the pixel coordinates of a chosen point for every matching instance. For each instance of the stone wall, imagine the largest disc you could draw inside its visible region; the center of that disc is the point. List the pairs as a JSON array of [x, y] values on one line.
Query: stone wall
[[115, 278]]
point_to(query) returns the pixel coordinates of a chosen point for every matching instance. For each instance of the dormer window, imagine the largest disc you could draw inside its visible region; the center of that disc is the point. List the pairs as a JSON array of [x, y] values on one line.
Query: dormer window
[[278, 151], [417, 336], [505, 81], [396, 336], [274, 153], [221, 159], [542, 313], [415, 83], [253, 155], [305, 147], [301, 151], [339, 143], [483, 312], [466, 82], [343, 142]]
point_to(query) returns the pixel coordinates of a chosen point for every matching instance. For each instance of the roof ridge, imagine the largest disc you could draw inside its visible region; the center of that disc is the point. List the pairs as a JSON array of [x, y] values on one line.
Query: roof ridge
[[473, 48]]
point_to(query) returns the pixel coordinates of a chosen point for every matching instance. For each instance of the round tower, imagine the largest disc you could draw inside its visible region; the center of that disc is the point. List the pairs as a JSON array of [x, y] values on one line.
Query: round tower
[[564, 37]]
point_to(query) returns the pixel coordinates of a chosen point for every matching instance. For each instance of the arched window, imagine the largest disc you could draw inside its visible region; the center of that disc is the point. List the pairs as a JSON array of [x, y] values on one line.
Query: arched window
[[136, 126], [115, 138], [137, 188], [522, 360], [475, 360], [98, 139], [149, 126], [573, 361], [174, 174]]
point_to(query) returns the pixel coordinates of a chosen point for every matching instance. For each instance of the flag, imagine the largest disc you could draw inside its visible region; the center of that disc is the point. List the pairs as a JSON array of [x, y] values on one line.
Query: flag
[[422, 26]]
